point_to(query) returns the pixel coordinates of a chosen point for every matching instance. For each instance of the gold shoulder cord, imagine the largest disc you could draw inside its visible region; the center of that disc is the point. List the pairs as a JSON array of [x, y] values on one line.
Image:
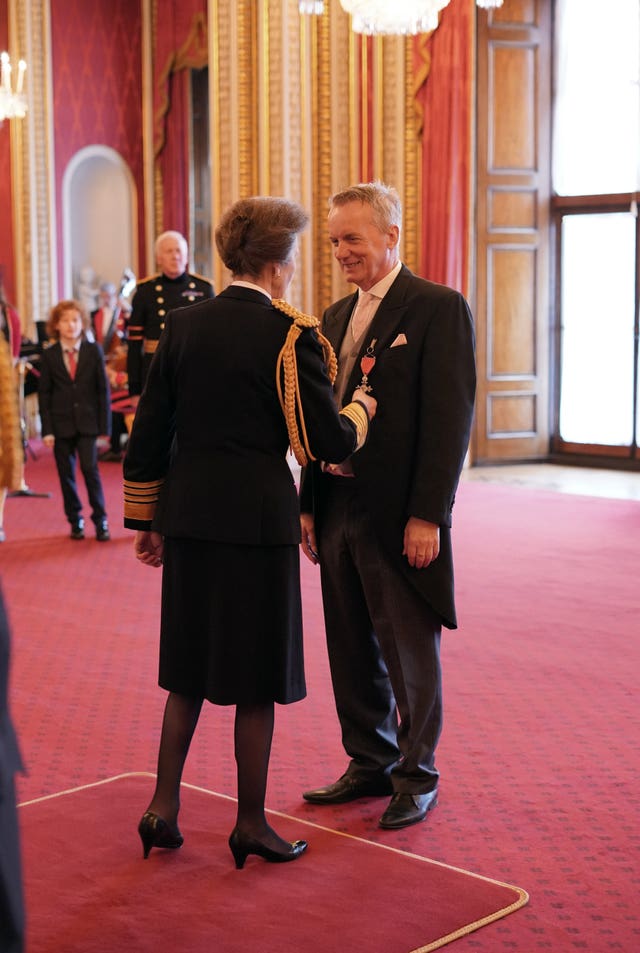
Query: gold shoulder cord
[[287, 374]]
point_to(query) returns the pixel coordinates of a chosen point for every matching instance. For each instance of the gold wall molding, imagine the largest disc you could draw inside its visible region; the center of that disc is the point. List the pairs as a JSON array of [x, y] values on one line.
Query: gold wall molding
[[412, 164], [32, 165], [302, 107]]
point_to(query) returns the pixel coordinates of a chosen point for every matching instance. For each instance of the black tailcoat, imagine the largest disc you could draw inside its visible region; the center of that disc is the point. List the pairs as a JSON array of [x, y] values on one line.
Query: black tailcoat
[[424, 381]]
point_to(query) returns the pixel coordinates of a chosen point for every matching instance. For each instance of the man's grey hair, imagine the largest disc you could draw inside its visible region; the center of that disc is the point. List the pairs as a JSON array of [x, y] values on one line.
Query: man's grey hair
[[176, 236], [383, 199]]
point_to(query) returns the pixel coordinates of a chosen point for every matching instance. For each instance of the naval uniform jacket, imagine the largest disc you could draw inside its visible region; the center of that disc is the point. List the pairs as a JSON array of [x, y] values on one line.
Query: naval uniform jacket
[[79, 406], [206, 458], [424, 381], [152, 301]]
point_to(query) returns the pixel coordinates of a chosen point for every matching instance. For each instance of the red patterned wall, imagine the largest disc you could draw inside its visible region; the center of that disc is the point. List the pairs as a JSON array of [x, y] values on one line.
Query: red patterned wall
[[97, 68], [6, 225]]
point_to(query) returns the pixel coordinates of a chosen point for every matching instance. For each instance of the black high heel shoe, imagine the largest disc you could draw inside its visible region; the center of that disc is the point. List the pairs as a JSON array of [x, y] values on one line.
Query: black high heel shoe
[[242, 845], [154, 832]]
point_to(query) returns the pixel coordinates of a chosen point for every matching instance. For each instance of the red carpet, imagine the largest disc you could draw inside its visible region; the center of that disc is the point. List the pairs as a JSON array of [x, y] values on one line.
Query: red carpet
[[89, 890], [540, 752]]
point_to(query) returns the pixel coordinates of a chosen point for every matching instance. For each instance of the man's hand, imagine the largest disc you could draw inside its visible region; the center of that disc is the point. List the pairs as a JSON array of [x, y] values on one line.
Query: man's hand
[[421, 542], [309, 545], [149, 547]]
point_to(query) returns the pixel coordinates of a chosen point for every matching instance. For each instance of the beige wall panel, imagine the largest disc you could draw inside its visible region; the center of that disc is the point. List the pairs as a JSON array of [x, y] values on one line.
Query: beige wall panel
[[512, 314], [511, 415], [512, 210], [512, 79], [517, 13]]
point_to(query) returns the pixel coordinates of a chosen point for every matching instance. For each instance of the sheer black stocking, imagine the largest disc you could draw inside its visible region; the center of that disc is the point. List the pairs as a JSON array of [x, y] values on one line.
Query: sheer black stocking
[[253, 735], [181, 715]]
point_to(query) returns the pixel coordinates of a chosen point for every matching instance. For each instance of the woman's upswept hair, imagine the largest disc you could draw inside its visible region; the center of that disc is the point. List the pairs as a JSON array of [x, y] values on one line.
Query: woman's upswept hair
[[56, 314], [258, 230], [383, 199]]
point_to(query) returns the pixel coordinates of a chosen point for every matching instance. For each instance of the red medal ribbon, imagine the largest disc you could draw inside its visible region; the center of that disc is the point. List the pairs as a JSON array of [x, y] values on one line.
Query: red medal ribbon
[[367, 363]]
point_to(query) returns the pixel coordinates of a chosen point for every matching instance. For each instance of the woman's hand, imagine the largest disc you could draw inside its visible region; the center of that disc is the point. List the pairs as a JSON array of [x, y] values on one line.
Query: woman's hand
[[369, 402], [149, 547]]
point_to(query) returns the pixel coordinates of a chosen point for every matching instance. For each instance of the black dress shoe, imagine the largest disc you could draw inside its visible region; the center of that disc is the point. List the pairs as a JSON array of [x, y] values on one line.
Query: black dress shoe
[[110, 456], [406, 809], [77, 529], [348, 788], [102, 532]]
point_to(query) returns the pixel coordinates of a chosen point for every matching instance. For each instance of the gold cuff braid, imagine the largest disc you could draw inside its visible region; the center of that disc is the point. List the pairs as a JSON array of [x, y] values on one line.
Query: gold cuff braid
[[287, 375], [358, 416], [140, 499]]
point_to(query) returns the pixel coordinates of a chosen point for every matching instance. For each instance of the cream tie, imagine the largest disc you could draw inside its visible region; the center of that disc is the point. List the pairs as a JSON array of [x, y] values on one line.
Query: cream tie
[[362, 314]]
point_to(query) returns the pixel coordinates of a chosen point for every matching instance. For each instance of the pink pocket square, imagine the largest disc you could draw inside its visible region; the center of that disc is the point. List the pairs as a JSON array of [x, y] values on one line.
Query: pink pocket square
[[401, 339]]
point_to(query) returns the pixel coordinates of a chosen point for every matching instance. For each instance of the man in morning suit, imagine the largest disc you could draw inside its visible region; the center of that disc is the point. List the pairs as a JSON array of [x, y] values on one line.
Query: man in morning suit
[[174, 287], [379, 524]]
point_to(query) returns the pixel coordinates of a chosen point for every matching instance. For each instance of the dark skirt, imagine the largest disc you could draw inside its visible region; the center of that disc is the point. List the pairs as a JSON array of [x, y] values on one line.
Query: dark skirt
[[231, 628]]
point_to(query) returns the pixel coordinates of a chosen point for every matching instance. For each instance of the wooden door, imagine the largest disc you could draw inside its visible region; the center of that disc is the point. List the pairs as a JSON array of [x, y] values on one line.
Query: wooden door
[[512, 300]]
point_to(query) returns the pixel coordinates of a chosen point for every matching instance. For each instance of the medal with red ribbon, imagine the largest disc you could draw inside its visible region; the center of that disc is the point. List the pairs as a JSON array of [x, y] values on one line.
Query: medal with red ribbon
[[367, 363]]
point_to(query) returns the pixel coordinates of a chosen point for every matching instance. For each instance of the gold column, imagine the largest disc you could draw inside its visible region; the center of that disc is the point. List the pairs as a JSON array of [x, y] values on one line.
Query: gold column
[[32, 165], [289, 113], [411, 199]]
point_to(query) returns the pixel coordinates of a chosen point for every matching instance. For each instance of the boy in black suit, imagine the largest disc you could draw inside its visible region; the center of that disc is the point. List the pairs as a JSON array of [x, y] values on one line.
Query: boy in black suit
[[75, 409]]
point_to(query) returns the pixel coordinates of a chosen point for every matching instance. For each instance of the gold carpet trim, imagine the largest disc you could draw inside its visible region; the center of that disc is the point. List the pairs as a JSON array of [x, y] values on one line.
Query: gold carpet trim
[[523, 896]]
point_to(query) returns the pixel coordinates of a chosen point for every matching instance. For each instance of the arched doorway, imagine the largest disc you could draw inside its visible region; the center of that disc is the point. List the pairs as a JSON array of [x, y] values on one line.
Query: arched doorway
[[99, 207]]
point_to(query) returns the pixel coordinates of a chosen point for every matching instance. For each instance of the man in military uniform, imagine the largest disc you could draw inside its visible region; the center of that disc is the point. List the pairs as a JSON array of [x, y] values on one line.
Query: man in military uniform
[[172, 288]]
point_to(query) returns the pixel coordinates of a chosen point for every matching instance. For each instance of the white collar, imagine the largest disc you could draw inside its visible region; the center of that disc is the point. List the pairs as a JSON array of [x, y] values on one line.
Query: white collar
[[381, 287], [251, 286]]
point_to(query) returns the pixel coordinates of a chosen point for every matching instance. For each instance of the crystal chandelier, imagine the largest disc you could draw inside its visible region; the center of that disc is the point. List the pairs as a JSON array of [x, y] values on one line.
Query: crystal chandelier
[[13, 103], [391, 16]]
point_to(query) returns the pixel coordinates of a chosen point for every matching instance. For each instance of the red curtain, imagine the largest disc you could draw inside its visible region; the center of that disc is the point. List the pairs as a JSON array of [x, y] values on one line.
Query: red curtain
[[444, 64], [180, 44]]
